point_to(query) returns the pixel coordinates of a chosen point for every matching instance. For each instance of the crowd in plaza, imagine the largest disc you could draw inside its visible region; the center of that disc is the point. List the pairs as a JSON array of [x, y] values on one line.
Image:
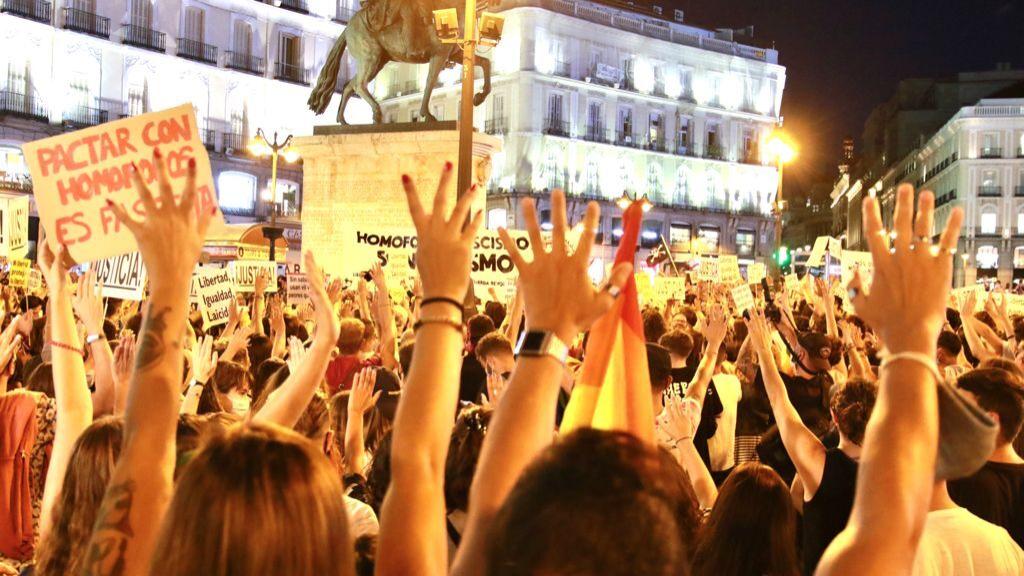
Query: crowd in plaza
[[394, 432]]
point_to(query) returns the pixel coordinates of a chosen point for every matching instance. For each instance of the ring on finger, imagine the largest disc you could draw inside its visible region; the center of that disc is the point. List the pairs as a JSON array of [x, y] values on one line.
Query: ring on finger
[[612, 290], [852, 292]]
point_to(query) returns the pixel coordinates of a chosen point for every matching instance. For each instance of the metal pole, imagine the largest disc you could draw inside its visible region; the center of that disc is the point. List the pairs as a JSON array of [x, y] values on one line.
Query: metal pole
[[778, 217], [466, 104], [671, 259], [273, 199]]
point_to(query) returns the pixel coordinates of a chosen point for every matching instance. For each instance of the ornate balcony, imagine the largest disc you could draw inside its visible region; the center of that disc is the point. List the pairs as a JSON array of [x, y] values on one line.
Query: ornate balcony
[[86, 23], [245, 63], [37, 10], [196, 50], [145, 38]]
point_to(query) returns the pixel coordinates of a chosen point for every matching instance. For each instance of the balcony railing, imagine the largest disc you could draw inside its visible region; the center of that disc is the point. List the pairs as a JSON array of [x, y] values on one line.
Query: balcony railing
[[37, 10], [295, 6], [196, 50], [556, 127], [1018, 191], [209, 138], [245, 63], [496, 126], [714, 152], [343, 15], [990, 152], [86, 22], [17, 104], [563, 69], [626, 138], [84, 116], [656, 144], [142, 37], [990, 191], [684, 148], [291, 73], [234, 143], [595, 133]]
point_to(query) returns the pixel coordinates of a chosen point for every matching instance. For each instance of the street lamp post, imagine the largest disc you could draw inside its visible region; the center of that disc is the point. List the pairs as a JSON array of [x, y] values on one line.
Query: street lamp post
[[263, 146], [782, 152]]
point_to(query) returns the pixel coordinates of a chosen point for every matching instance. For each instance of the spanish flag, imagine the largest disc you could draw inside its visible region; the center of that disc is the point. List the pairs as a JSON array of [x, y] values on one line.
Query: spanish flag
[[613, 391]]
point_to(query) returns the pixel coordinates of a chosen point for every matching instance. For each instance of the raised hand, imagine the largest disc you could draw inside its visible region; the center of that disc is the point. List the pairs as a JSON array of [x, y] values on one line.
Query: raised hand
[[53, 265], [88, 303], [557, 290], [204, 360], [260, 284], [328, 325], [716, 325], [296, 353], [124, 360], [362, 399]]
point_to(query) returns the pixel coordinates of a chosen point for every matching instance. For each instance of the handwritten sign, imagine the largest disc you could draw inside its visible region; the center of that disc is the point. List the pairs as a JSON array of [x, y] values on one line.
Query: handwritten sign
[[708, 269], [729, 269], [755, 272], [823, 244], [298, 290], [792, 283], [20, 270], [35, 280], [854, 260], [213, 286], [14, 226], [75, 174], [742, 298], [122, 276], [669, 287], [244, 273]]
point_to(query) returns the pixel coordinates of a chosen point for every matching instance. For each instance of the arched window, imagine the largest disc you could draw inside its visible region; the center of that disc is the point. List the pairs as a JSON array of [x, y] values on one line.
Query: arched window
[[988, 220], [988, 257], [236, 192], [654, 182], [591, 178], [681, 192]]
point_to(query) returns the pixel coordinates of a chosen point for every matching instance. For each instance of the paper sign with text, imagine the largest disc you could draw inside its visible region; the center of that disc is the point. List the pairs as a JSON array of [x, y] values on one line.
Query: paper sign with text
[[742, 297], [824, 244], [20, 269], [669, 288], [792, 283], [122, 276], [755, 272], [729, 269], [74, 175], [855, 260], [298, 290], [244, 272], [960, 294], [708, 269], [14, 226], [213, 288], [644, 289], [35, 280]]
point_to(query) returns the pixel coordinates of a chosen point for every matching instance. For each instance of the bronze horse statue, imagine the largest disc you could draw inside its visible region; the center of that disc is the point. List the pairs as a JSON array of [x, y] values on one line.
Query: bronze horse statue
[[385, 31]]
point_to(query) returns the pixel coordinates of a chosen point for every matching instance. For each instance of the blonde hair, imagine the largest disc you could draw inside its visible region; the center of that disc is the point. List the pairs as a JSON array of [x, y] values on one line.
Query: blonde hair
[[258, 499]]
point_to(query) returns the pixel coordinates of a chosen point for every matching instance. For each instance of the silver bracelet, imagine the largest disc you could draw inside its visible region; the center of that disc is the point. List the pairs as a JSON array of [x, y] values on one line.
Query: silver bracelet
[[918, 357]]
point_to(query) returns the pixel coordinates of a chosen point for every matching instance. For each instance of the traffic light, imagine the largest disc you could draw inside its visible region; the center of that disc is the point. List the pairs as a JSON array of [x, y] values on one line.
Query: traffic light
[[783, 257]]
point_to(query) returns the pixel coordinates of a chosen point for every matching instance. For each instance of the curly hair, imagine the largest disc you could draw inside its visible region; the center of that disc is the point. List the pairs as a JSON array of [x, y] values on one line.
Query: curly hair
[[851, 407], [463, 453]]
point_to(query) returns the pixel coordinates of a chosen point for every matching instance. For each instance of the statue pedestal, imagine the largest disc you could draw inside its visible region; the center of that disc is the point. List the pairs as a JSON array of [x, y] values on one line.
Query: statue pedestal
[[352, 180]]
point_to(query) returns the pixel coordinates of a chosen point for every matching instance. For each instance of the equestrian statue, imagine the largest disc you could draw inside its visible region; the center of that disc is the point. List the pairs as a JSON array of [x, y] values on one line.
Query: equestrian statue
[[385, 31]]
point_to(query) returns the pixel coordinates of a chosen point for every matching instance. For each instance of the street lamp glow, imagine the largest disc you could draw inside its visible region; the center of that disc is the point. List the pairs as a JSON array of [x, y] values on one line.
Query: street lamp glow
[[780, 149], [291, 155]]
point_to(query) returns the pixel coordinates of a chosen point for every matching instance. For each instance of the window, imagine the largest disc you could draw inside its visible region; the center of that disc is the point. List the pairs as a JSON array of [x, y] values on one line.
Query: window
[[1020, 222], [78, 94], [137, 99], [193, 28], [141, 12], [654, 182], [749, 146], [241, 38], [290, 50], [497, 218], [1018, 257], [438, 111], [988, 221], [683, 135], [555, 105], [553, 169], [595, 120], [745, 243], [498, 107], [681, 193], [713, 146], [987, 257], [236, 192], [650, 234], [655, 133], [626, 125], [709, 237], [988, 178], [679, 236], [616, 231], [592, 177]]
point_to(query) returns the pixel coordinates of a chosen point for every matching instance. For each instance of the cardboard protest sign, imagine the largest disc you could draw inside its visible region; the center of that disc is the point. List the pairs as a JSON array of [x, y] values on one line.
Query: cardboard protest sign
[[854, 260], [824, 244], [960, 294], [644, 288], [298, 289], [729, 269], [755, 272], [20, 270], [742, 298], [244, 273], [75, 174], [792, 282], [669, 287], [213, 286], [708, 269], [14, 226], [122, 276], [35, 280]]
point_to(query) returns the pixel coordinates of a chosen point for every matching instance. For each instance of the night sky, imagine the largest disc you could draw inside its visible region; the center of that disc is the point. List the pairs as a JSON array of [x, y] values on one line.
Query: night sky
[[844, 57]]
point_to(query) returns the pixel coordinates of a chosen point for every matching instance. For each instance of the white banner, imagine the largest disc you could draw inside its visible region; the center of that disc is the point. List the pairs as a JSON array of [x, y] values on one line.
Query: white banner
[[122, 276], [824, 244], [14, 226], [244, 273], [755, 272], [298, 290], [213, 286]]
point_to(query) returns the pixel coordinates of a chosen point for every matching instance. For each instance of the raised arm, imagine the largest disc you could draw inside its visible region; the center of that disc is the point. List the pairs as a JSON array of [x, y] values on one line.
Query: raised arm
[[714, 334], [361, 400], [124, 365], [204, 364], [88, 304], [74, 406], [906, 307], [384, 318], [140, 487], [801, 444], [979, 349], [412, 534], [259, 304], [286, 404], [559, 299]]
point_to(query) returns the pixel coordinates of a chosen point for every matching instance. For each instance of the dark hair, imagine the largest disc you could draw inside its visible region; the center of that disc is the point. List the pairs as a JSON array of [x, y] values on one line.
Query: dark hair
[[260, 349], [752, 528], [654, 325], [852, 405], [997, 391], [659, 367], [109, 330], [677, 342], [405, 356], [264, 372], [596, 502], [134, 323], [227, 377], [1003, 364], [479, 326], [493, 343], [366, 554], [378, 477], [1018, 328], [41, 380], [463, 453], [950, 342], [496, 311]]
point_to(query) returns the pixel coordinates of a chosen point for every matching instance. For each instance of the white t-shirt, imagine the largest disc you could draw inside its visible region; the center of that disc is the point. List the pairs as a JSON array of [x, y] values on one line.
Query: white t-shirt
[[721, 446], [362, 520], [956, 542]]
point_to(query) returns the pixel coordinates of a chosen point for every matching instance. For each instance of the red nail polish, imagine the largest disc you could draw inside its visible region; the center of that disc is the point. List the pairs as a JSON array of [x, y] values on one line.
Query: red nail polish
[[472, 188], [191, 162], [406, 179], [109, 203], [447, 166], [135, 168], [213, 210], [156, 153]]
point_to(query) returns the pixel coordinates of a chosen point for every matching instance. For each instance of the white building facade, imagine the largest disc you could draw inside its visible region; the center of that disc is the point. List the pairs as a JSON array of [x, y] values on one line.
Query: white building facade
[[600, 101]]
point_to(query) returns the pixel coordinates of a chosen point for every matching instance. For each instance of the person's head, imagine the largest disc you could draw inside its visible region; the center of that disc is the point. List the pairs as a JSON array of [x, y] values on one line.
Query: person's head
[[819, 352], [378, 477], [752, 528], [463, 453], [405, 356], [496, 311], [1003, 364], [494, 351], [851, 408], [41, 379], [479, 326], [264, 372], [659, 368], [258, 499], [678, 343], [654, 325], [260, 349], [92, 462], [948, 348], [228, 391], [350, 336], [596, 502], [1001, 394]]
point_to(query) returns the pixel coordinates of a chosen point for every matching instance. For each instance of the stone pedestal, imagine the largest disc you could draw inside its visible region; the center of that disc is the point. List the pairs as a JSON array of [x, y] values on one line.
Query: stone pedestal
[[351, 178]]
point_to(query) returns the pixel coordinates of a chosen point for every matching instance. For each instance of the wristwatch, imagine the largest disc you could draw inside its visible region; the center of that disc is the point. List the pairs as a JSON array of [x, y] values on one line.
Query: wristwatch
[[540, 343], [91, 338]]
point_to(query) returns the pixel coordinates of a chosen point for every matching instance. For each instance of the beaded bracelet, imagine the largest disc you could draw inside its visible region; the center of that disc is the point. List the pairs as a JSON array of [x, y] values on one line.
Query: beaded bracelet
[[68, 347], [447, 321], [441, 299]]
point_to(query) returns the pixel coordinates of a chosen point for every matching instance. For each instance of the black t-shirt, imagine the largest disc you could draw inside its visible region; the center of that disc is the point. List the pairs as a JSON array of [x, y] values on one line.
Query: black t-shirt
[[827, 513], [996, 494], [682, 377], [472, 380]]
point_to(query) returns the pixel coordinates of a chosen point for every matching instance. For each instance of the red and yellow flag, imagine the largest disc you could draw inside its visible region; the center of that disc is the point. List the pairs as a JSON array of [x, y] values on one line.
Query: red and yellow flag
[[613, 391]]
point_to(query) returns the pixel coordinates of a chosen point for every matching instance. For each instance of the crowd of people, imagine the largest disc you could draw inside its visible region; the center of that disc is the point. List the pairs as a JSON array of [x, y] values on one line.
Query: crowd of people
[[401, 432]]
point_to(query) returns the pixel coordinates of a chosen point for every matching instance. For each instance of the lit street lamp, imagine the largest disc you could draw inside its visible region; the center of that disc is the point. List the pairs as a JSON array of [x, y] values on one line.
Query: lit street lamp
[[781, 151], [262, 146], [446, 23]]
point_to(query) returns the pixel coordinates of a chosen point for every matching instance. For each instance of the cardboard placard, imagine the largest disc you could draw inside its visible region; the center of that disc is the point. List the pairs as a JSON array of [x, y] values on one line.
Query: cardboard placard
[[75, 174], [213, 286], [729, 269], [742, 298], [244, 272], [298, 290], [20, 270], [792, 282], [755, 272], [824, 244], [669, 288], [960, 294], [35, 280], [708, 269], [14, 226], [122, 276], [855, 260]]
